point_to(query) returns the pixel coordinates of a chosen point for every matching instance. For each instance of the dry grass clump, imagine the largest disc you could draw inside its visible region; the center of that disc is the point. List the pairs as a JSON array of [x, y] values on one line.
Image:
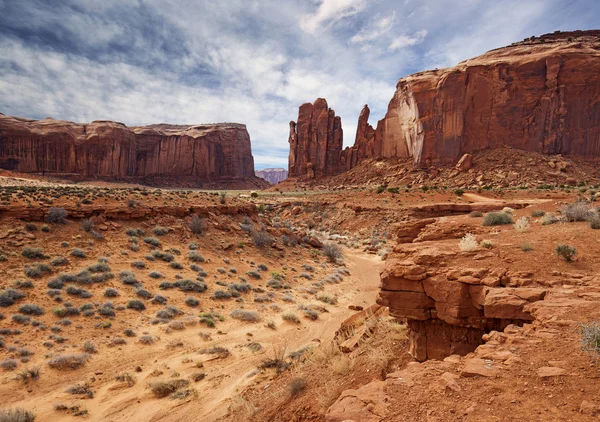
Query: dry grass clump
[[468, 243], [297, 386], [16, 415], [29, 374], [290, 317], [577, 211], [210, 318], [218, 351], [162, 389], [126, 377], [326, 298], [261, 239], [197, 224], [566, 252], [8, 364], [243, 315], [333, 252], [81, 390], [68, 361], [522, 225], [56, 215], [146, 340]]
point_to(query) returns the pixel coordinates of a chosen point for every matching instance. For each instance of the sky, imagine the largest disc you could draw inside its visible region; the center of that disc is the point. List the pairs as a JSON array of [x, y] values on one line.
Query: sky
[[247, 61]]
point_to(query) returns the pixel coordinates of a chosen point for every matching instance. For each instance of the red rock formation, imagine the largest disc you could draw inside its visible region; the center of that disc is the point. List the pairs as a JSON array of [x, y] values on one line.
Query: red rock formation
[[110, 150], [538, 95], [449, 309], [272, 176], [315, 141]]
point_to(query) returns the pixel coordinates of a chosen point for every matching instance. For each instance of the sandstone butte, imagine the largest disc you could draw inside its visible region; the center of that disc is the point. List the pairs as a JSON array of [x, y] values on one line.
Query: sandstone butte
[[193, 155], [541, 94], [272, 175]]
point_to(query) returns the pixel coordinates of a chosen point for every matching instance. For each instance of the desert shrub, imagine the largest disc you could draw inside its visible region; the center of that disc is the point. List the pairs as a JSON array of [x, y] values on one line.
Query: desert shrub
[[475, 214], [160, 231], [152, 241], [78, 291], [566, 252], [468, 243], [537, 213], [290, 317], [23, 284], [177, 325], [162, 389], [89, 347], [497, 218], [221, 295], [65, 312], [176, 265], [31, 309], [30, 227], [117, 341], [165, 285], [486, 244], [167, 257], [261, 238], [253, 274], [134, 232], [210, 318], [33, 253], [59, 260], [56, 215], [10, 296], [325, 298], [36, 269], [81, 390], [590, 338], [594, 221], [143, 293], [241, 287], [45, 228], [79, 253], [159, 300], [26, 375], [8, 364], [243, 315], [577, 211], [128, 332], [297, 386], [522, 225], [136, 305], [68, 361], [222, 197], [110, 292], [548, 219], [192, 301], [87, 224], [16, 415], [21, 319], [333, 252], [311, 314], [126, 377], [186, 285], [146, 340], [526, 247], [197, 224], [381, 188], [56, 284], [155, 274], [138, 264], [127, 277], [195, 257]]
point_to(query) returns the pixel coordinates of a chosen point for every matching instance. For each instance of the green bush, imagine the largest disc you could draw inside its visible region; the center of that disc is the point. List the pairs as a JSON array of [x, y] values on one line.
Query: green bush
[[497, 219], [566, 252]]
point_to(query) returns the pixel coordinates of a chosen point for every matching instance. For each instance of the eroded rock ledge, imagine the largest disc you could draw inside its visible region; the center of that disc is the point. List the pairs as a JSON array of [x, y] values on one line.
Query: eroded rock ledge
[[448, 309]]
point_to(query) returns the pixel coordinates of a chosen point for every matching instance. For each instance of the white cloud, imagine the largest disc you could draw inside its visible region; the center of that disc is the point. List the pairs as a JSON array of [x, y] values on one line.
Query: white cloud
[[374, 31], [407, 41], [331, 11]]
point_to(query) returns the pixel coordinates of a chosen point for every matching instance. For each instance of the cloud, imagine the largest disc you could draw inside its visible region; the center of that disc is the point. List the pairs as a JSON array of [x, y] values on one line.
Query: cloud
[[407, 41], [374, 31], [331, 11], [248, 61]]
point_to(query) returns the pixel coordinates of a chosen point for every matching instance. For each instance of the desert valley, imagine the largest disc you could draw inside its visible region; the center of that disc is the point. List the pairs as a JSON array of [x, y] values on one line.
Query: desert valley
[[442, 267]]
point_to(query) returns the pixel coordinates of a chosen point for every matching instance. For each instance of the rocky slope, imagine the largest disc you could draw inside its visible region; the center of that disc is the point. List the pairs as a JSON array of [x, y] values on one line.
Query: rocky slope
[[273, 176], [195, 155], [538, 95]]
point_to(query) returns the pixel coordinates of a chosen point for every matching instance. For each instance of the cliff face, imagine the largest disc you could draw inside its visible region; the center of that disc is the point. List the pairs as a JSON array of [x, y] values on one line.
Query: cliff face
[[104, 149], [315, 141], [272, 176], [540, 95]]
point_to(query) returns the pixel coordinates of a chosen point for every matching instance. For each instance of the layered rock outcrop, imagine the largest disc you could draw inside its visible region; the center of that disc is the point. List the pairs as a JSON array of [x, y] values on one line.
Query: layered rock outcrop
[[315, 141], [272, 176], [103, 149], [449, 309], [540, 95]]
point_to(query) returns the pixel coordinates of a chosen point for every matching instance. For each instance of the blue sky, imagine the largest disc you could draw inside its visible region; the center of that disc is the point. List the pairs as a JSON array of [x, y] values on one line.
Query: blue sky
[[247, 61]]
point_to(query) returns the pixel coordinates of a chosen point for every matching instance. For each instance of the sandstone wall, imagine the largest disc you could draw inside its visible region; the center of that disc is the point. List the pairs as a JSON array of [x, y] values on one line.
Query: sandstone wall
[[540, 95], [112, 150]]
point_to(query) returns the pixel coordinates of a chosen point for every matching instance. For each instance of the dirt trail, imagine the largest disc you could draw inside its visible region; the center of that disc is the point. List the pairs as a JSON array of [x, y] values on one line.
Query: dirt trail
[[478, 199], [225, 377]]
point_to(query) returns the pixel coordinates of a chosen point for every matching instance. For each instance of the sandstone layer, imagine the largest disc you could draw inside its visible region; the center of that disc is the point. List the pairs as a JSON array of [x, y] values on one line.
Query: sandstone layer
[[272, 175], [449, 309], [540, 95], [196, 154]]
